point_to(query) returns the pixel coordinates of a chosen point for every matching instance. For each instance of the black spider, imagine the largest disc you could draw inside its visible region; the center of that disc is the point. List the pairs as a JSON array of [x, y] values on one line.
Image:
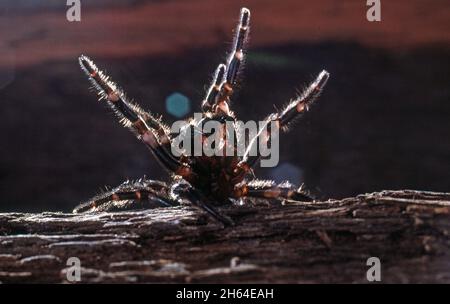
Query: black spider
[[204, 181]]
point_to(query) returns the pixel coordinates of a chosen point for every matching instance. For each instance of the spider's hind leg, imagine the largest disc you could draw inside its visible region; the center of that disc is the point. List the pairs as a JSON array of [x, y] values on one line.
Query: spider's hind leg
[[270, 190], [130, 195]]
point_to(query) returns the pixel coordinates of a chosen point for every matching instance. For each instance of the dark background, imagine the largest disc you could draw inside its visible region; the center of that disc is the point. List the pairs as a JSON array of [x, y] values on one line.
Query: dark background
[[382, 123]]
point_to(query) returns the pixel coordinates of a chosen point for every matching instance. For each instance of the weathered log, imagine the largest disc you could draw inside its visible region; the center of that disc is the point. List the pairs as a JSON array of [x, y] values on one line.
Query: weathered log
[[326, 241]]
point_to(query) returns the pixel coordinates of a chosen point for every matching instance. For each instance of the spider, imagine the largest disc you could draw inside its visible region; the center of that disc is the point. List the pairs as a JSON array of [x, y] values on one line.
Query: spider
[[203, 181]]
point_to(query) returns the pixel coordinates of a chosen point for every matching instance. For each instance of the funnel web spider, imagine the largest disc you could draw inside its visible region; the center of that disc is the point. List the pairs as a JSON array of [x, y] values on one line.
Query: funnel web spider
[[203, 181]]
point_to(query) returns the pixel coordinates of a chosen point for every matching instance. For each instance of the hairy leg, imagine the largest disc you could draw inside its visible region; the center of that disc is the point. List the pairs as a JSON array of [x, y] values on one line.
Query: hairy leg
[[225, 77], [147, 128], [214, 89], [284, 118], [130, 195], [269, 189]]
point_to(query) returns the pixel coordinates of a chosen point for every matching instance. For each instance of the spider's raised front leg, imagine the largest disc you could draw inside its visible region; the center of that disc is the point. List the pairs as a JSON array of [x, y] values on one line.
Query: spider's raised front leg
[[218, 96], [270, 190], [147, 128], [183, 192], [130, 195], [282, 119]]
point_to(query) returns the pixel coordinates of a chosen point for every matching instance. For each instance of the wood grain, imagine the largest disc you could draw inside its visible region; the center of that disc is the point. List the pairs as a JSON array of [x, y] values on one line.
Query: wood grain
[[320, 242]]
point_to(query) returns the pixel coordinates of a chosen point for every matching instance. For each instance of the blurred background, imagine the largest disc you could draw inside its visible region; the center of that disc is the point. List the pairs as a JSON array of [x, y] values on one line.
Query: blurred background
[[382, 122]]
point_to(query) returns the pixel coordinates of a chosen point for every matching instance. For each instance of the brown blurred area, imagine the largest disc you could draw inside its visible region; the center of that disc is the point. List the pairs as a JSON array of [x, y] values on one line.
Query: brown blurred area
[[382, 122]]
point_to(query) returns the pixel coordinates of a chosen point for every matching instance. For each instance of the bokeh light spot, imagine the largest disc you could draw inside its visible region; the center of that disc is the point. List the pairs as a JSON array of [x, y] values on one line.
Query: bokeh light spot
[[287, 172], [178, 104]]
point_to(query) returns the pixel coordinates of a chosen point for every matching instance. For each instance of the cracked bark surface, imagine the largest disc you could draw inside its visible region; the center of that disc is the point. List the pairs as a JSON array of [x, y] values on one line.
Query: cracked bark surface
[[320, 242]]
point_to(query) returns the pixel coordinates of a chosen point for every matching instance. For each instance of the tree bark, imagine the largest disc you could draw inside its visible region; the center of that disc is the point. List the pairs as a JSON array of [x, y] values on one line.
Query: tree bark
[[319, 242]]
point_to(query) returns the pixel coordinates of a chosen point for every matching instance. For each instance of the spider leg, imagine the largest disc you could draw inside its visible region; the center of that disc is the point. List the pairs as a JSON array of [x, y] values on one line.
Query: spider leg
[[225, 77], [301, 104], [130, 195], [284, 118], [214, 89], [145, 126], [182, 191], [269, 189]]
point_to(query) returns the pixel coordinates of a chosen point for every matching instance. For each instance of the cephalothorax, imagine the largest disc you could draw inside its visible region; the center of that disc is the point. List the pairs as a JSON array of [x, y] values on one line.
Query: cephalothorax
[[204, 181]]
